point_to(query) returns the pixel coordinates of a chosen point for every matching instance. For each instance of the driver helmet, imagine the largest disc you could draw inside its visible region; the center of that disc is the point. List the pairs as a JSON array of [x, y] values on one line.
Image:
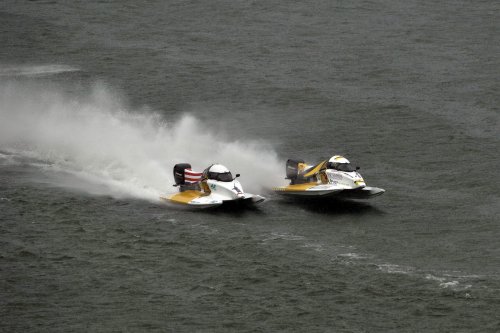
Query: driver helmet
[[220, 173], [338, 159]]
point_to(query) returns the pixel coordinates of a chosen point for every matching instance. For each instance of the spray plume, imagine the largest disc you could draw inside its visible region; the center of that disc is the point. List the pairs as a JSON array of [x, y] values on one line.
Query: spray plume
[[96, 139]]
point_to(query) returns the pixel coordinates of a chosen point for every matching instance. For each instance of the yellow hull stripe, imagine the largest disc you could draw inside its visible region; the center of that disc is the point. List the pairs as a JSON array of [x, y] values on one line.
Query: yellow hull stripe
[[297, 187], [315, 170], [186, 196]]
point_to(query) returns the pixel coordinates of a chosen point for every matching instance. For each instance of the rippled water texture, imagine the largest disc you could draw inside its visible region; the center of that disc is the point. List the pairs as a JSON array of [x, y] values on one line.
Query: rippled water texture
[[98, 101]]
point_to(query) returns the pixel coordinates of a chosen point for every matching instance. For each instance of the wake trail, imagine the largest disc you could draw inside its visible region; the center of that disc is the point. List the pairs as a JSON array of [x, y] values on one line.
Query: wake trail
[[34, 70]]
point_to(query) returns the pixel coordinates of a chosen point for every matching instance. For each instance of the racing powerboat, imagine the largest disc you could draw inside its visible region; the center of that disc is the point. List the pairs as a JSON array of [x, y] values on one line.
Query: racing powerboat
[[213, 187], [335, 177]]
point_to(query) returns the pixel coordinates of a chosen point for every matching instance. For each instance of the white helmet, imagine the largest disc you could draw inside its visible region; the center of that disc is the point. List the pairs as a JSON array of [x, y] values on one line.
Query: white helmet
[[339, 159], [219, 168]]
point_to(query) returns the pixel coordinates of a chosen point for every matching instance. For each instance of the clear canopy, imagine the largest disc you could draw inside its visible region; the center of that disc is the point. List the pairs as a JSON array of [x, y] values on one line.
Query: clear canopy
[[221, 176], [346, 167]]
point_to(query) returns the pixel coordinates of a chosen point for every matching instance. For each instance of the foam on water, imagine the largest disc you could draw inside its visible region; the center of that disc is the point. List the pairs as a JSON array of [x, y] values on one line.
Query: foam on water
[[455, 281], [97, 140], [35, 70]]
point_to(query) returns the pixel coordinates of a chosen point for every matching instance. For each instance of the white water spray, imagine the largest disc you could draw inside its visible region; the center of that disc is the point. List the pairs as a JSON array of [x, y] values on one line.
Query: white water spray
[[128, 153]]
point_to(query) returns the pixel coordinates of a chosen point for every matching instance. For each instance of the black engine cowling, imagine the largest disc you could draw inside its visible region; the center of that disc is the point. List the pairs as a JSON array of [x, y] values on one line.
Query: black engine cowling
[[179, 173], [292, 168]]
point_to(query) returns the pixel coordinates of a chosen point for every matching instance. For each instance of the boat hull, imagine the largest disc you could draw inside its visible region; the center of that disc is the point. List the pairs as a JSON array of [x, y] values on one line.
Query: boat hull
[[201, 200], [310, 190]]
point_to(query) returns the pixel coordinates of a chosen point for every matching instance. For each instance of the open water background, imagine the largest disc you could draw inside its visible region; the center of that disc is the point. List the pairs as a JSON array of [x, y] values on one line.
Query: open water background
[[99, 99]]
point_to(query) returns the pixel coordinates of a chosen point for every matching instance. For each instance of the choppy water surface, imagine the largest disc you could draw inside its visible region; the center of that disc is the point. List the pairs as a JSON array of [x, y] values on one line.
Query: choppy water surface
[[99, 100]]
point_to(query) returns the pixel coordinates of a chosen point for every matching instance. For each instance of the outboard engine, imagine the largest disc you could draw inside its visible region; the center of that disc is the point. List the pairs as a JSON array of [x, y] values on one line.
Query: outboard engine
[[292, 168], [179, 173]]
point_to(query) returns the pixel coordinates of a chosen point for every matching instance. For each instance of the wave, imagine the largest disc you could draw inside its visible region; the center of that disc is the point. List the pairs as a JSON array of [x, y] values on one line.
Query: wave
[[347, 255], [94, 138], [35, 70]]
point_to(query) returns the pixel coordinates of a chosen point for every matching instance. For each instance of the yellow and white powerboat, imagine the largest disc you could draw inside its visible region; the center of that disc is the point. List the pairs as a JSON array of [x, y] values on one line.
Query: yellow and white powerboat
[[335, 177], [213, 187]]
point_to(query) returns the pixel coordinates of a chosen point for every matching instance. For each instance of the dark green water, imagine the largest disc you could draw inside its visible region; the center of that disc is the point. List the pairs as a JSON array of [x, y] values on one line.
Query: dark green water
[[98, 100]]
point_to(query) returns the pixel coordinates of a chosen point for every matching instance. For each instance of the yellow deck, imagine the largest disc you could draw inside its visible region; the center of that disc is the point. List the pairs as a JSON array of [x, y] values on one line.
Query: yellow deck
[[296, 187], [186, 196]]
